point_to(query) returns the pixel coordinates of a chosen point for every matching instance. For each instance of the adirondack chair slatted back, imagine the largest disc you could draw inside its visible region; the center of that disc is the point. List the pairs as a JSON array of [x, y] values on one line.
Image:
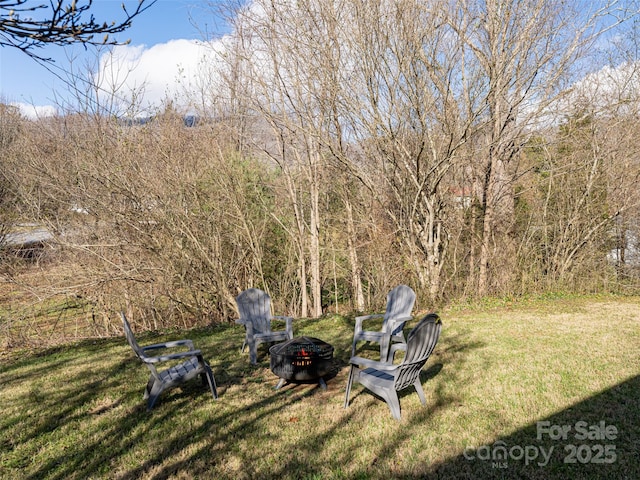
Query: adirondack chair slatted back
[[420, 344], [134, 345], [255, 305], [400, 302]]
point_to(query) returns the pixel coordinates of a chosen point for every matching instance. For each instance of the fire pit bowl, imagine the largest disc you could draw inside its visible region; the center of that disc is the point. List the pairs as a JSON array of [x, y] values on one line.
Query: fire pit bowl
[[301, 359]]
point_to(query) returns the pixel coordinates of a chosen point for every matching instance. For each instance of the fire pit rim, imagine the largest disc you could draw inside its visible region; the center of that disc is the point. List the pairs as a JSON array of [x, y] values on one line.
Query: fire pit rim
[[291, 366], [304, 340]]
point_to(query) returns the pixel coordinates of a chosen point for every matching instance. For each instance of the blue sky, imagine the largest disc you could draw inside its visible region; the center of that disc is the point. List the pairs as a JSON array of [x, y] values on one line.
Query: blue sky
[[22, 80]]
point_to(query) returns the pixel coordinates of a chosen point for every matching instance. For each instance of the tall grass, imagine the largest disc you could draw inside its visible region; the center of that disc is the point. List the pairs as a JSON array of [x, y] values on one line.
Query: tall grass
[[76, 411]]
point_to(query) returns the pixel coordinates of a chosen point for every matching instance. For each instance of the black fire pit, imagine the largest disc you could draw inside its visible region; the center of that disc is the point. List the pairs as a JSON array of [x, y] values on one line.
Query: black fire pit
[[301, 359]]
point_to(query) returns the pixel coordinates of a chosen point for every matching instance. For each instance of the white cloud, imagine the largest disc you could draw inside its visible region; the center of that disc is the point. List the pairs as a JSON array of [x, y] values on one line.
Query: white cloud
[[140, 79], [137, 80], [610, 91], [610, 88], [34, 112]]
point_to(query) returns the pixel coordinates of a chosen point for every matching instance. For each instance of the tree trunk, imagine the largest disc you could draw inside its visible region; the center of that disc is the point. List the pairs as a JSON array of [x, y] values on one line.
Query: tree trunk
[[356, 281], [314, 248]]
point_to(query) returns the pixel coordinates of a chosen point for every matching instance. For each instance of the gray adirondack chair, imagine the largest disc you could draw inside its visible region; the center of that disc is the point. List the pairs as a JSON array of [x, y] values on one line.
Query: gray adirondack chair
[[254, 307], [400, 302], [386, 379], [159, 381]]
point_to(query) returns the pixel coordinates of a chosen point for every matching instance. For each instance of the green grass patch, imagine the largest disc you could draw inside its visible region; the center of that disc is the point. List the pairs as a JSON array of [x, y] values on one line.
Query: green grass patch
[[76, 411]]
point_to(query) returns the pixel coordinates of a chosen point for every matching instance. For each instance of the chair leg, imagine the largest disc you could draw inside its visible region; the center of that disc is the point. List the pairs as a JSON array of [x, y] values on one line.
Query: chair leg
[[394, 404], [420, 391], [349, 383], [208, 375], [154, 394], [253, 351]]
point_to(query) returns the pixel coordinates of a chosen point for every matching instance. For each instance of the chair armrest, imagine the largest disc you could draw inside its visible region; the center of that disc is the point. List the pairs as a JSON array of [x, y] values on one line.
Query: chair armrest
[[404, 319], [394, 348], [397, 323], [247, 324], [172, 344], [173, 356], [362, 318], [288, 322], [365, 362]]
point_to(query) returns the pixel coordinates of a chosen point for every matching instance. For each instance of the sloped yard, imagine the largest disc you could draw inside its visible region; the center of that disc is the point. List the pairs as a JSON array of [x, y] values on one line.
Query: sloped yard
[[76, 411]]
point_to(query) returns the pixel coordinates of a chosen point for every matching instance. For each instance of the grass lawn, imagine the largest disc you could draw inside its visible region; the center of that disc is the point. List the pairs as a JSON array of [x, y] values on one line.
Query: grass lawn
[[510, 376]]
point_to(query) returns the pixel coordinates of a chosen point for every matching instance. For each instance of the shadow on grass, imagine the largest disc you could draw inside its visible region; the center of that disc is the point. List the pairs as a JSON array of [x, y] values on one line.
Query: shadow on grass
[[190, 435], [601, 440]]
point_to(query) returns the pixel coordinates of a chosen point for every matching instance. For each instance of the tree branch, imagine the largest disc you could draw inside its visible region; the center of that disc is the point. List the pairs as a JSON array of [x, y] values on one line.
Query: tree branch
[[28, 25]]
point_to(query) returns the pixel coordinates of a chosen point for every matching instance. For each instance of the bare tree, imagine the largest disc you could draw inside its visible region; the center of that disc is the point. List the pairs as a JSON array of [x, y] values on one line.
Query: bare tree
[[31, 24], [416, 87], [281, 74], [404, 108], [522, 54], [591, 202], [10, 127]]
